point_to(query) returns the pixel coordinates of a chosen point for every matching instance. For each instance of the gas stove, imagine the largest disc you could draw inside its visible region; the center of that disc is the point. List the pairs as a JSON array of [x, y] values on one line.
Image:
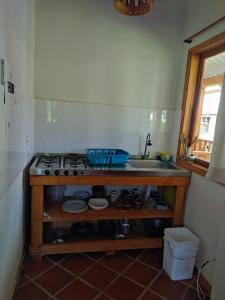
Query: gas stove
[[58, 165]]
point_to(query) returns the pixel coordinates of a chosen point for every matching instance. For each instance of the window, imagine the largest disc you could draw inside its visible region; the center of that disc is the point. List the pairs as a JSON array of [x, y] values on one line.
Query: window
[[203, 85]]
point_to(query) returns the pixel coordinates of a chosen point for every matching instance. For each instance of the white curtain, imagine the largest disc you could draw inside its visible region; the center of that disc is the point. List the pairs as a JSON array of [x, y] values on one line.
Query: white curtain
[[216, 171]]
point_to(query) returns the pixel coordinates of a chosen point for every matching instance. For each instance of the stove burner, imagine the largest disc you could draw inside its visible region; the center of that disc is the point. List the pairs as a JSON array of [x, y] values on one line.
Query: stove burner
[[58, 165]]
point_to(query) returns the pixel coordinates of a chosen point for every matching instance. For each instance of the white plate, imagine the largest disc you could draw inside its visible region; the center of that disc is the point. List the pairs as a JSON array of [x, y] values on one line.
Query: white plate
[[75, 206], [98, 203]]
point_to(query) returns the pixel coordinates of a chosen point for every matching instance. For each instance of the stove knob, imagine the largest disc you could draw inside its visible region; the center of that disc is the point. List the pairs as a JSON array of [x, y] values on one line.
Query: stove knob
[[75, 173], [66, 172], [47, 172], [56, 172]]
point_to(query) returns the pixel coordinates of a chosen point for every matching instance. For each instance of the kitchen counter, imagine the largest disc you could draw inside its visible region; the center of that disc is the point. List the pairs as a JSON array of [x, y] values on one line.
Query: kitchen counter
[[134, 172], [129, 170]]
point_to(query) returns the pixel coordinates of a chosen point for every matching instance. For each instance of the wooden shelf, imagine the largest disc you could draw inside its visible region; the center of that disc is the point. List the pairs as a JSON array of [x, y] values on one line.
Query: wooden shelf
[[40, 204], [99, 245], [56, 214]]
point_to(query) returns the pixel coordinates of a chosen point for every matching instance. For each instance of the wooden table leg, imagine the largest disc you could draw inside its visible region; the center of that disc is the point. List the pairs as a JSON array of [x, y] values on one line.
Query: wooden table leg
[[37, 206], [179, 206]]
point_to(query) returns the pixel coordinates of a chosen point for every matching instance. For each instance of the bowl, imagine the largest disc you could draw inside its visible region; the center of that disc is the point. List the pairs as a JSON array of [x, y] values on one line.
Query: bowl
[[98, 203], [155, 227], [81, 195]]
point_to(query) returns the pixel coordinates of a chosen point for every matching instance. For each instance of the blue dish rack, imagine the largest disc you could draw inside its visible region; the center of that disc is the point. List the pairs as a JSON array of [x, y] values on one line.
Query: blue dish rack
[[103, 157]]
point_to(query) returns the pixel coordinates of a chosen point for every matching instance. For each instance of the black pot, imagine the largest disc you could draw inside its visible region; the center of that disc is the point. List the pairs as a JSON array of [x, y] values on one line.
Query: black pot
[[82, 230], [57, 236], [155, 227]]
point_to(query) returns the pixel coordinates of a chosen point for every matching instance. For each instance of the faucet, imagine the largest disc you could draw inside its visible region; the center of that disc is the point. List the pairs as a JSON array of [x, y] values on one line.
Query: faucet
[[147, 143]]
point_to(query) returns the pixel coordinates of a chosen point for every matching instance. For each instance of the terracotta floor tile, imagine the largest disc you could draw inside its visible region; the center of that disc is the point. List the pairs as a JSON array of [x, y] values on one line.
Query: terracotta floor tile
[[173, 290], [77, 263], [150, 296], [152, 258], [34, 268], [123, 288], [141, 273], [54, 279], [133, 253], [186, 281], [118, 262], [99, 276], [30, 291], [22, 280], [102, 297], [58, 257], [192, 295], [96, 255], [77, 290]]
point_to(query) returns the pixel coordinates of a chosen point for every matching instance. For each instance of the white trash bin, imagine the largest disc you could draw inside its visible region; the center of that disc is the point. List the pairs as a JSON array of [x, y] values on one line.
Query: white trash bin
[[180, 251]]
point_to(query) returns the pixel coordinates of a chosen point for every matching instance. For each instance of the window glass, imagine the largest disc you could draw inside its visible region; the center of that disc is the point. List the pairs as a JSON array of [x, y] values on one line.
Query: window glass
[[208, 105]]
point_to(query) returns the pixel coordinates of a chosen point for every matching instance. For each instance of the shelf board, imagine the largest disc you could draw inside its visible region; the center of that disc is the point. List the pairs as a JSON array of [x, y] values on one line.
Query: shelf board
[[56, 214], [97, 245]]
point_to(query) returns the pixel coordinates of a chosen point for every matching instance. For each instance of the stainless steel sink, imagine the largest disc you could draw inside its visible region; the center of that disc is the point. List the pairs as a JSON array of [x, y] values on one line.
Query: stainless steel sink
[[151, 164], [137, 167]]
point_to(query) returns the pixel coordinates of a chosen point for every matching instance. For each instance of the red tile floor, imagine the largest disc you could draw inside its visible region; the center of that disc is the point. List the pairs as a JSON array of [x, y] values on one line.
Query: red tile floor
[[128, 275]]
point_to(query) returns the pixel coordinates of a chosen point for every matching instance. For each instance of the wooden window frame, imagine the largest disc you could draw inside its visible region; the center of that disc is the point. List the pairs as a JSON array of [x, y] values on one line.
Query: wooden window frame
[[191, 96]]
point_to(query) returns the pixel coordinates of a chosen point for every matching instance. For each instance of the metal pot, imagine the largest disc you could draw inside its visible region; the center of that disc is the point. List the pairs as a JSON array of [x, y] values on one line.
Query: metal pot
[[125, 225]]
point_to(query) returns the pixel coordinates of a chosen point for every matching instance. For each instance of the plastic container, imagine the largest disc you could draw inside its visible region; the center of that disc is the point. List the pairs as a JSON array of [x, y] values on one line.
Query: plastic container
[[98, 157], [180, 251]]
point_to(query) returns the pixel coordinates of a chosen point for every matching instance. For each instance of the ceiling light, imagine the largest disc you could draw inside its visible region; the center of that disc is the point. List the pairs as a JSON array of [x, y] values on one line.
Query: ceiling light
[[133, 7]]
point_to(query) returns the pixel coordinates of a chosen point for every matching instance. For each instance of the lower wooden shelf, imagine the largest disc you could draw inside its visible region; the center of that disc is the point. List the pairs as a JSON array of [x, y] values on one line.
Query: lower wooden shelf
[[56, 214], [95, 246]]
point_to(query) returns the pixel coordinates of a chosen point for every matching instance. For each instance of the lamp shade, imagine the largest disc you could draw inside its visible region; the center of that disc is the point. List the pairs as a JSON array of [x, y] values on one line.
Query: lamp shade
[[133, 7]]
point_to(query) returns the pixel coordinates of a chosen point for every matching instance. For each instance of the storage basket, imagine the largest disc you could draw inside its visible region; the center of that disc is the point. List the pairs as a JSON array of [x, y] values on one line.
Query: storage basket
[[180, 251], [108, 157]]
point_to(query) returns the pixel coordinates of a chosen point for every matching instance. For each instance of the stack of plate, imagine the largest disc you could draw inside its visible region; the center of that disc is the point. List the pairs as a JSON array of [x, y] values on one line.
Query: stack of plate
[[98, 203], [75, 206]]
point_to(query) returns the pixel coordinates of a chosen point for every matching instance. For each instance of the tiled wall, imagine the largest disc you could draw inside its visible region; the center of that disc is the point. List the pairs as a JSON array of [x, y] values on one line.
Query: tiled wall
[[62, 126]]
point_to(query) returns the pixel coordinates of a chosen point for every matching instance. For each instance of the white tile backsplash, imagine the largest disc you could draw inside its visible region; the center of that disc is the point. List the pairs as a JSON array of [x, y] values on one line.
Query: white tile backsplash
[[91, 125], [62, 126], [50, 126]]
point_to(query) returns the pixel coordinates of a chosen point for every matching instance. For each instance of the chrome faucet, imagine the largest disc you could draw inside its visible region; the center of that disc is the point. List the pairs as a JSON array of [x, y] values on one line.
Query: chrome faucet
[[147, 143]]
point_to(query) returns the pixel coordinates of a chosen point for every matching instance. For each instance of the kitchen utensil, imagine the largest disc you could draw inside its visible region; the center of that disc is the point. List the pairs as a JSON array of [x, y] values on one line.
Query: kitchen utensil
[[161, 205], [139, 203], [56, 236], [82, 230], [75, 206], [98, 203], [113, 196], [125, 225], [98, 191], [155, 227], [106, 156], [81, 195]]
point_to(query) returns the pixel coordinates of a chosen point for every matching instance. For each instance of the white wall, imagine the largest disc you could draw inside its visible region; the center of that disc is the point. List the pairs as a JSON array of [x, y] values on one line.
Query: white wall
[[88, 52], [204, 212], [16, 142], [116, 75], [205, 200]]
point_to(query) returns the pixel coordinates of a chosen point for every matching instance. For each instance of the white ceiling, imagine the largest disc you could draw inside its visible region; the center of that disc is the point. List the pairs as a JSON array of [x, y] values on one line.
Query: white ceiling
[[214, 66]]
